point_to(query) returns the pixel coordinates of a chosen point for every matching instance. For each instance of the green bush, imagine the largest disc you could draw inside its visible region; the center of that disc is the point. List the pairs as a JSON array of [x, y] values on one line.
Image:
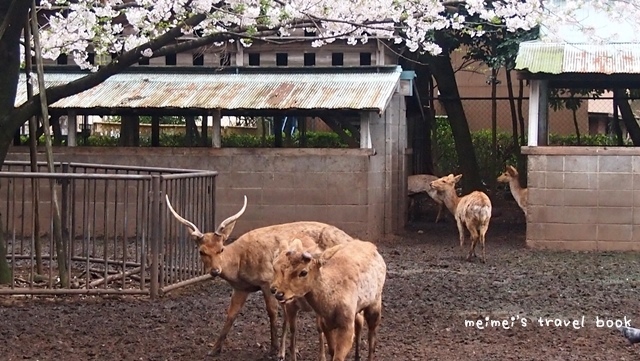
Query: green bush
[[445, 156]]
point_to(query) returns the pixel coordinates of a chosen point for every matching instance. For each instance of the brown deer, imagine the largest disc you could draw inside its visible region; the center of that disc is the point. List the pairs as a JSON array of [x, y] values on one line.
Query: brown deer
[[247, 263], [421, 183], [472, 211], [338, 284], [519, 193]]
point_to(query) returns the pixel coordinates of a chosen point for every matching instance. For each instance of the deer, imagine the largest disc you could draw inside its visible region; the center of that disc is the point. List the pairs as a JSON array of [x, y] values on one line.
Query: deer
[[246, 264], [338, 283], [421, 183], [472, 211], [519, 193]]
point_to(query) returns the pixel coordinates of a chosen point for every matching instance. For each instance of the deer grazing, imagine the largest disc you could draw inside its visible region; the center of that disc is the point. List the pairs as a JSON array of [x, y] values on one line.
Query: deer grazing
[[519, 193], [472, 211], [421, 183], [247, 263], [338, 284]]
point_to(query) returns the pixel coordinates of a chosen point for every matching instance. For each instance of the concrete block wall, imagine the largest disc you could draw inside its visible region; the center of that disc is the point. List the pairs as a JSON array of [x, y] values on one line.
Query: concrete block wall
[[583, 198], [282, 185]]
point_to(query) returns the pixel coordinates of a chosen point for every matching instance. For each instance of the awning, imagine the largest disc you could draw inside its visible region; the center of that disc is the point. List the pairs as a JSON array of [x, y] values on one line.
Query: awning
[[559, 58], [331, 89]]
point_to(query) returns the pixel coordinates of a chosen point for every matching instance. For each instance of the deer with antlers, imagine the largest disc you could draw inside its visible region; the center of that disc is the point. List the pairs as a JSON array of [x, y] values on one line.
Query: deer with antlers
[[247, 263]]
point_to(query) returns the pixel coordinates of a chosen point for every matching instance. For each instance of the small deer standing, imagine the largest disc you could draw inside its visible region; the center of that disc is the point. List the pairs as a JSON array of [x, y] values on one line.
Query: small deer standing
[[519, 193], [472, 211]]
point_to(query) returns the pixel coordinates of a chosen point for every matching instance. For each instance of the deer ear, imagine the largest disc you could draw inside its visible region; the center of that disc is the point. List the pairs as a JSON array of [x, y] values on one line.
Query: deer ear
[[456, 179], [512, 171], [295, 245]]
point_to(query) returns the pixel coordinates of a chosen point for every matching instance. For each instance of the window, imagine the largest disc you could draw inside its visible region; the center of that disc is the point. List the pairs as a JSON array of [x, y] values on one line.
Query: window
[[170, 59], [254, 59], [198, 59], [365, 58], [337, 59], [309, 59], [282, 59]]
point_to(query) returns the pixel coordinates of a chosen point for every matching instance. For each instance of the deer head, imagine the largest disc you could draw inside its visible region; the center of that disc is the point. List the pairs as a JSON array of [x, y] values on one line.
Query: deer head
[[509, 173], [446, 182], [211, 244]]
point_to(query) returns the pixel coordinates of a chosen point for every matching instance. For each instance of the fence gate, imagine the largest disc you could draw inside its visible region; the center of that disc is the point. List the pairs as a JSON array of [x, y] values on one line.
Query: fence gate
[[113, 237]]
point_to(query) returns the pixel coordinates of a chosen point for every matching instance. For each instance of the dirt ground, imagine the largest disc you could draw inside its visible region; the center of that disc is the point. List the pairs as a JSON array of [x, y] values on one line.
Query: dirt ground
[[429, 294]]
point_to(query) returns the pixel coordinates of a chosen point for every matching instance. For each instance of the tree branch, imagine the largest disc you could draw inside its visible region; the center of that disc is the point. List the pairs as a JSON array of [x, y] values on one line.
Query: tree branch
[[31, 107]]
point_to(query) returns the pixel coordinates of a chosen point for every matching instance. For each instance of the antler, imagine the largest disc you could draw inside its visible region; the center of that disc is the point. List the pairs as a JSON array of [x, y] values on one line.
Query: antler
[[195, 231], [233, 218]]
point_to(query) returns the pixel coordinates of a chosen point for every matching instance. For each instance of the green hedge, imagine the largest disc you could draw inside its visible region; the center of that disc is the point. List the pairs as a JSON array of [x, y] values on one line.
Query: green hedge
[[445, 156]]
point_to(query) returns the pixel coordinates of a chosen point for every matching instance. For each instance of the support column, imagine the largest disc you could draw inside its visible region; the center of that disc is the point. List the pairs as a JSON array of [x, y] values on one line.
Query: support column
[[72, 128], [217, 125], [155, 130], [538, 130], [365, 131], [543, 114], [205, 130]]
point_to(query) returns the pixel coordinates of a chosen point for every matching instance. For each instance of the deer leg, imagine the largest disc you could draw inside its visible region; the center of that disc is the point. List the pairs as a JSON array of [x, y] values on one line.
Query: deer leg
[[322, 351], [358, 323], [373, 315], [483, 232], [474, 239], [461, 233], [331, 341], [272, 311], [238, 298], [343, 337]]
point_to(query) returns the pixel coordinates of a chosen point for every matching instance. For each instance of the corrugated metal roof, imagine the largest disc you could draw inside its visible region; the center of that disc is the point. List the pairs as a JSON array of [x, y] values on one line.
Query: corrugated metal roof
[[554, 58], [337, 90]]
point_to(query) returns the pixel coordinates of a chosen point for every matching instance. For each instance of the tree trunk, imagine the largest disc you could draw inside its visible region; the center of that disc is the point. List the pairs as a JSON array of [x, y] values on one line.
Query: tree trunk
[[33, 151], [442, 71], [61, 247], [626, 113], [522, 164], [494, 131], [419, 119], [13, 13]]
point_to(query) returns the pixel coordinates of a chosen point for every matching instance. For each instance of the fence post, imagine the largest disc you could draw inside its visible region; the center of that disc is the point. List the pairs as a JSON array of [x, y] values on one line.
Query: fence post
[[155, 235]]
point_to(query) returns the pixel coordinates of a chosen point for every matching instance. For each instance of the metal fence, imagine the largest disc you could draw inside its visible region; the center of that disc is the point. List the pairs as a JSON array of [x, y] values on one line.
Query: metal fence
[[115, 232]]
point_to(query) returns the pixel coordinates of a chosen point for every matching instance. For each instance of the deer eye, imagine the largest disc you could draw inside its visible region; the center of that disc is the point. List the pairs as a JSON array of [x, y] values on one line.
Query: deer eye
[[303, 273], [203, 253]]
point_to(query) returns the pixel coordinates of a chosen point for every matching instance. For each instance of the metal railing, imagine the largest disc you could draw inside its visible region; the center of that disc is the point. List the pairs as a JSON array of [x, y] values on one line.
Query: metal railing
[[114, 227]]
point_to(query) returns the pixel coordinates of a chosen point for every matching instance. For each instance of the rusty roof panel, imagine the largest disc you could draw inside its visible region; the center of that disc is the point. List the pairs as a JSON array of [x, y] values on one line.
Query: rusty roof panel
[[553, 58], [358, 91]]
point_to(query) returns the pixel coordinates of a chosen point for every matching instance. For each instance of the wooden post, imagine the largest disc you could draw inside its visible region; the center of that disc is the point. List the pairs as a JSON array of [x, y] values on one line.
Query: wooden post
[[155, 131], [277, 130], [205, 126], [217, 139], [72, 128]]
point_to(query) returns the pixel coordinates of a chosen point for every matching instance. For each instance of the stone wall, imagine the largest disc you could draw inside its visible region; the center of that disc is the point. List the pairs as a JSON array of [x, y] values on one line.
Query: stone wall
[[583, 198], [282, 185]]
